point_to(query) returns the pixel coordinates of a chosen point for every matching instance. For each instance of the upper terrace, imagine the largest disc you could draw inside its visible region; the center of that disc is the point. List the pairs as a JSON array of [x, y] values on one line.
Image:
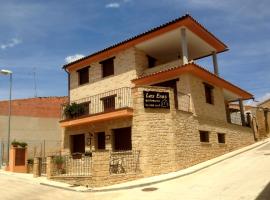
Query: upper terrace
[[181, 40]]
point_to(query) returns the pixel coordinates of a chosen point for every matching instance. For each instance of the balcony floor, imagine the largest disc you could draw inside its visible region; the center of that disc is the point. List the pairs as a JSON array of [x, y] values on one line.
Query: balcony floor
[[120, 113]]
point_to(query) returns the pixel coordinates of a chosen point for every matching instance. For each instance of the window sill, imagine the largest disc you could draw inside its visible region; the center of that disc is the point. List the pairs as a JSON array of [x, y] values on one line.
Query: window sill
[[102, 78], [82, 85], [206, 144], [222, 144]]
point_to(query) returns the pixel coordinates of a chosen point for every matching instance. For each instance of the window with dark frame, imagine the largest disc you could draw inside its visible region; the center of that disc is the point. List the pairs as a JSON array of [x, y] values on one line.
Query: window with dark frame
[[109, 103], [122, 139], [107, 67], [209, 97], [83, 75], [101, 144], [151, 61], [204, 136], [221, 138], [85, 107]]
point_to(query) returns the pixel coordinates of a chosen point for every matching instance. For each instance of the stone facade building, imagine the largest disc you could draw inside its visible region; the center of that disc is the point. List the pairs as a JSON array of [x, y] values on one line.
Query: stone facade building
[[260, 118], [147, 96]]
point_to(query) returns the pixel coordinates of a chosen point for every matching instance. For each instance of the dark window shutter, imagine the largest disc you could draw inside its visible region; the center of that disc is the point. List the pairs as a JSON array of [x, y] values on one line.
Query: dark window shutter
[[83, 75], [107, 67], [209, 98]]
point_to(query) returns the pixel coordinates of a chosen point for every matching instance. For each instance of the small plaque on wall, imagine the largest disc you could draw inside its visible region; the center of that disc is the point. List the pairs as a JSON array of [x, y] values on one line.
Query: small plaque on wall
[[153, 99]]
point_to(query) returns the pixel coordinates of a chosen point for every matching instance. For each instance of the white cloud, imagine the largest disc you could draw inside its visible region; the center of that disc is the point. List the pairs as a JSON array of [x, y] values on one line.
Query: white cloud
[[264, 97], [112, 5], [258, 100], [72, 58], [117, 4], [13, 42]]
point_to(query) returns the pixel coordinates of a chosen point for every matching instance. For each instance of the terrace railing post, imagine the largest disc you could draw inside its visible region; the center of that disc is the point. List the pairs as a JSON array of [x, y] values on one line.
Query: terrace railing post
[[101, 169]]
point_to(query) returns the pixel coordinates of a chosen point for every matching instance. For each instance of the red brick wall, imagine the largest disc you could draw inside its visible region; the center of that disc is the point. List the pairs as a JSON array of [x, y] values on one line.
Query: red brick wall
[[47, 107]]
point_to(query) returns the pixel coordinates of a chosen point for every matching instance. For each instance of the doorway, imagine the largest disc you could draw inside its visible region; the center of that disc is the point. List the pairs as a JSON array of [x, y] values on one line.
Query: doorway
[[78, 143]]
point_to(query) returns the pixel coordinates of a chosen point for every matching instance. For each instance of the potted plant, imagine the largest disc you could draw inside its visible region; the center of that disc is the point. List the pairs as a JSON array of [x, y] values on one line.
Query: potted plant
[[88, 153], [30, 163], [15, 143], [59, 161], [23, 144], [73, 110], [77, 155]]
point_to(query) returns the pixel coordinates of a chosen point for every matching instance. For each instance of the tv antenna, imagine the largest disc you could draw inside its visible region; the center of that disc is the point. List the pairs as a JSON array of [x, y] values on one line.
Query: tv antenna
[[35, 81]]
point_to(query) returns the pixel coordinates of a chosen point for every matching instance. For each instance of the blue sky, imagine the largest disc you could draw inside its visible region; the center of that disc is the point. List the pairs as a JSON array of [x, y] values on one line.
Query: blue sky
[[42, 35]]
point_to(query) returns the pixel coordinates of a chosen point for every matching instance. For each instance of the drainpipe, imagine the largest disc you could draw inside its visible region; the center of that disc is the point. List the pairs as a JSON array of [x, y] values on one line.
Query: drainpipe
[[68, 84]]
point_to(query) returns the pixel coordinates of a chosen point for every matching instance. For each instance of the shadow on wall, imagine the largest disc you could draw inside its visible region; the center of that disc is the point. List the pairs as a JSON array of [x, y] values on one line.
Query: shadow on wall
[[265, 193]]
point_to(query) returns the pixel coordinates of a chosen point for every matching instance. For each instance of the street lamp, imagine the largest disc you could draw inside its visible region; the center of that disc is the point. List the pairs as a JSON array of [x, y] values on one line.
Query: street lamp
[[8, 72]]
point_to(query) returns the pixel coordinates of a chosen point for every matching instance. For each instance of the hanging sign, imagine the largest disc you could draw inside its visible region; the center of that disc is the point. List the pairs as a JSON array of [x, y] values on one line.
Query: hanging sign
[[153, 99]]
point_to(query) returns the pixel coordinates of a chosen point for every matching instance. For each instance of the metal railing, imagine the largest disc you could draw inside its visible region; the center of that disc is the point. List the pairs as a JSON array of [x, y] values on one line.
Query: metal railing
[[124, 161], [183, 101], [69, 165], [43, 166], [100, 103]]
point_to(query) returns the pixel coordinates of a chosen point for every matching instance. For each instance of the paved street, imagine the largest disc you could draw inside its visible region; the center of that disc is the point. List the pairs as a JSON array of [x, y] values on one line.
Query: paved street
[[245, 176]]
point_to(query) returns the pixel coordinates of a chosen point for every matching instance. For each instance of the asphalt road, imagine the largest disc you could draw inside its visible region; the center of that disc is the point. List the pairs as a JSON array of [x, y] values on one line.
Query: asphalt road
[[246, 176]]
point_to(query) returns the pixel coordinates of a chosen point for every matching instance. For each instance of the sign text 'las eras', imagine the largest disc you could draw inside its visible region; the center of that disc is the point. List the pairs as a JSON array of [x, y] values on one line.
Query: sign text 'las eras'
[[153, 99]]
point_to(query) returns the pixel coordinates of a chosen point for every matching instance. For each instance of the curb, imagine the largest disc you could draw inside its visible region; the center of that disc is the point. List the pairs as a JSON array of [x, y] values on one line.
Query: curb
[[162, 180]]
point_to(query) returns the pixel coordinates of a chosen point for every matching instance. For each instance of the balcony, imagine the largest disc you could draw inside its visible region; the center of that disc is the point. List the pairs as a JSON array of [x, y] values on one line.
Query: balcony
[[112, 104]]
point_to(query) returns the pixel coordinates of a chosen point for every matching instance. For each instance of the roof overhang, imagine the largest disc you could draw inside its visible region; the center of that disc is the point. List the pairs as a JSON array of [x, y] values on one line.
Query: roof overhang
[[186, 21], [197, 71]]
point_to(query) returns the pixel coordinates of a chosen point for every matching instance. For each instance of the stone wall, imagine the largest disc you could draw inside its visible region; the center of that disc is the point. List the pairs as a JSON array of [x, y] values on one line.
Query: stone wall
[[214, 111], [169, 139], [262, 117], [152, 133]]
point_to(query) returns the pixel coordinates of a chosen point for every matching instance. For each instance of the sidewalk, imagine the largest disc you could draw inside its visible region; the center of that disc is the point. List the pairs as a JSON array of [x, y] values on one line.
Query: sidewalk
[[137, 183]]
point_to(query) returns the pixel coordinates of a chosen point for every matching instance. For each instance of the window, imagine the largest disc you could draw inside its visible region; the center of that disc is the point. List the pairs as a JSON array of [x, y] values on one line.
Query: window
[[151, 61], [85, 108], [209, 98], [204, 136], [77, 143], [107, 67], [122, 139], [265, 112], [108, 103], [101, 141], [83, 75], [221, 138]]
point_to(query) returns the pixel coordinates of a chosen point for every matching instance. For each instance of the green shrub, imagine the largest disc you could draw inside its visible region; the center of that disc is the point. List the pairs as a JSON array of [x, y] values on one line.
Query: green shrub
[[23, 144], [15, 143], [30, 161], [73, 110], [59, 160]]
